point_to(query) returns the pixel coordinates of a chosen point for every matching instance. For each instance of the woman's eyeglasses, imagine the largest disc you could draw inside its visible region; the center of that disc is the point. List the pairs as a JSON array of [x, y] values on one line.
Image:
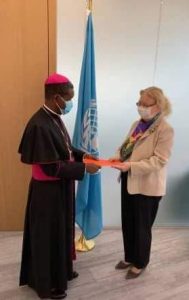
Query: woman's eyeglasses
[[144, 105]]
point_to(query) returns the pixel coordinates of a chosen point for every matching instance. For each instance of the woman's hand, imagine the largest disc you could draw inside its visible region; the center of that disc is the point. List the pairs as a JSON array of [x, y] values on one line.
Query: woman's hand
[[114, 159], [122, 166]]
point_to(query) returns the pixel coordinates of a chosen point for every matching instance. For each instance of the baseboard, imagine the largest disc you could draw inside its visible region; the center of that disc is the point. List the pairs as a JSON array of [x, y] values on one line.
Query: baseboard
[[173, 225]]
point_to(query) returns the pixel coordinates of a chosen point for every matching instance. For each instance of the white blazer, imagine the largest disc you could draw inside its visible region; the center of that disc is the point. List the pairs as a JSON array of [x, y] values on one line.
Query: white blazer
[[149, 158]]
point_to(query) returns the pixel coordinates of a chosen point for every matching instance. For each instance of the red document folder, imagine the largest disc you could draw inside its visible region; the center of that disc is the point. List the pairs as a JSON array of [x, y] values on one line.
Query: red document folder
[[101, 162]]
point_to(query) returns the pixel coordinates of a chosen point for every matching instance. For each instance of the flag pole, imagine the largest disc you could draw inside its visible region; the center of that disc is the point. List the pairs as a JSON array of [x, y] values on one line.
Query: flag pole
[[83, 245], [89, 4]]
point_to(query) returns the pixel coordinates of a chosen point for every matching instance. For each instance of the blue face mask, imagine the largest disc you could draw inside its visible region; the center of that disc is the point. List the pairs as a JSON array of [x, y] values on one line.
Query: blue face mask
[[68, 107]]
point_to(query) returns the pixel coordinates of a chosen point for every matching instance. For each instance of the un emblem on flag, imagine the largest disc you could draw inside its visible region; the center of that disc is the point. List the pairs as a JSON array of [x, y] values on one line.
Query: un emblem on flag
[[89, 129]]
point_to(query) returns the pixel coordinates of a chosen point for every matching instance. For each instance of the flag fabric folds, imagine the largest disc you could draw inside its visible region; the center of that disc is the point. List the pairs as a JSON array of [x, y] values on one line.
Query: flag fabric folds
[[88, 197]]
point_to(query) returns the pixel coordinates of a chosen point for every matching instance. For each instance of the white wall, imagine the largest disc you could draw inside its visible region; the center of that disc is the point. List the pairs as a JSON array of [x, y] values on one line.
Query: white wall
[[126, 35]]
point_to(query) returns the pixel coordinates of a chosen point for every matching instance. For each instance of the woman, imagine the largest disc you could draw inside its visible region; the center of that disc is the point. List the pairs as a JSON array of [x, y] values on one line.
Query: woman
[[142, 161]]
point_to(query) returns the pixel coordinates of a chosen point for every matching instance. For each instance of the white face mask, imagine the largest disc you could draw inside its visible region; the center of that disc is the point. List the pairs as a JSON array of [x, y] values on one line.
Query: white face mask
[[145, 113]]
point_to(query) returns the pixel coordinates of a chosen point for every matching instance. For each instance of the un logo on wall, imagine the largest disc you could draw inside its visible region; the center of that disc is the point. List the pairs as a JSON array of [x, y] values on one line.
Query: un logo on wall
[[89, 128]]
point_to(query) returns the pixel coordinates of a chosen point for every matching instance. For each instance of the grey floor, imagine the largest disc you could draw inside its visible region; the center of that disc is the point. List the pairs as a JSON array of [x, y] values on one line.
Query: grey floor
[[167, 276]]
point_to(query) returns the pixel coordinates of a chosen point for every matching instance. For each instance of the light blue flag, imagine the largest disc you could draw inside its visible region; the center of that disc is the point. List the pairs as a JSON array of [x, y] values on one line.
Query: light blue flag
[[88, 198]]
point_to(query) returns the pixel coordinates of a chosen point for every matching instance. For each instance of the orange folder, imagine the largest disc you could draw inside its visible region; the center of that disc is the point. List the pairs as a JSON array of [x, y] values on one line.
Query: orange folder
[[101, 162]]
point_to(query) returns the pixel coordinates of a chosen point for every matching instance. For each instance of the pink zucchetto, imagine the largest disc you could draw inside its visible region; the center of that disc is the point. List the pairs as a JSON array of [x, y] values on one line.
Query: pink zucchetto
[[56, 78]]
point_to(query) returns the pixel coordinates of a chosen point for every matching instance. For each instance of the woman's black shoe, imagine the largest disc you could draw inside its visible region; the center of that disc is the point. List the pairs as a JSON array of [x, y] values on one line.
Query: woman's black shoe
[[132, 275], [121, 265]]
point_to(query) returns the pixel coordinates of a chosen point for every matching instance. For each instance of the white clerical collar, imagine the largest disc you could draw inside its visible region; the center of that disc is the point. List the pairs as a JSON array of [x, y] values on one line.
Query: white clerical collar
[[53, 112]]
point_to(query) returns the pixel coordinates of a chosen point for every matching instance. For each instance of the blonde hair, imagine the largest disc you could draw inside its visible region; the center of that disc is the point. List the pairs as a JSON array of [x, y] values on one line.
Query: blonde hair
[[161, 100]]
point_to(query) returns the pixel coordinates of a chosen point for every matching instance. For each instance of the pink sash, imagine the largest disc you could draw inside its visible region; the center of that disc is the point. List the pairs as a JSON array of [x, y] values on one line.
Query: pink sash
[[38, 174]]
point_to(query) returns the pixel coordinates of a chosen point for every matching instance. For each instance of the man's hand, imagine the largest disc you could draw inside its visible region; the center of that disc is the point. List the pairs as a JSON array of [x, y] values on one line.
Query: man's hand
[[92, 168], [89, 156]]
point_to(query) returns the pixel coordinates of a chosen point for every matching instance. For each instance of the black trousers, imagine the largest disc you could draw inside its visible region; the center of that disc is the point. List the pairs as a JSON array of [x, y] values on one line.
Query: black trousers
[[138, 215]]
